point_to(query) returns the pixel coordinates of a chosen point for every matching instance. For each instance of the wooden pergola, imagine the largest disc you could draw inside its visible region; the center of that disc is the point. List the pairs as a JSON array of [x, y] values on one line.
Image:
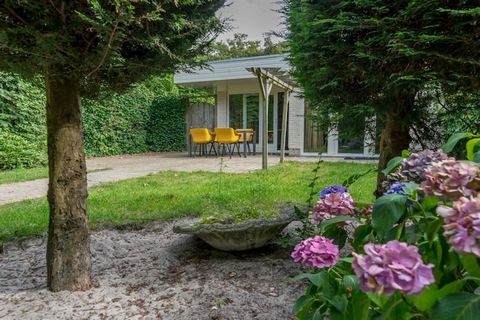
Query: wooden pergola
[[267, 78]]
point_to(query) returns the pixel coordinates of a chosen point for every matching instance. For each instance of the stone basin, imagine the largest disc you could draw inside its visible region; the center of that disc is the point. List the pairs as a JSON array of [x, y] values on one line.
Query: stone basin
[[240, 236]]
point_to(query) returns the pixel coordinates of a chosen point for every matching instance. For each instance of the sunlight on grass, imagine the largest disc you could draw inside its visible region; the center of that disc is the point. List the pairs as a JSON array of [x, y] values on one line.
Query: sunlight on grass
[[170, 195]]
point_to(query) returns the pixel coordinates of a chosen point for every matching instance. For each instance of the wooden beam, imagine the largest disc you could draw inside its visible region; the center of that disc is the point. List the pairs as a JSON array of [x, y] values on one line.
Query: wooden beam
[[276, 80], [284, 125]]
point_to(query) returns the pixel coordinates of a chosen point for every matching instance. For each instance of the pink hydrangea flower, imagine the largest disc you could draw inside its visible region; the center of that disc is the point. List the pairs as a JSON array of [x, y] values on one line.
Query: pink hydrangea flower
[[318, 252], [392, 266], [462, 225], [451, 179], [415, 165], [333, 204]]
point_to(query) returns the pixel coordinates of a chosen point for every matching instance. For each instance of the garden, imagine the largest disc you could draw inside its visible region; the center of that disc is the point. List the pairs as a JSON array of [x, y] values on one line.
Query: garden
[[398, 239]]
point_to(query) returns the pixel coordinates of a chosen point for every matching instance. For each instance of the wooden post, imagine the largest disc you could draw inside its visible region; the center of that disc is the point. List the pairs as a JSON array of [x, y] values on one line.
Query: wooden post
[[265, 87], [266, 81], [284, 125]]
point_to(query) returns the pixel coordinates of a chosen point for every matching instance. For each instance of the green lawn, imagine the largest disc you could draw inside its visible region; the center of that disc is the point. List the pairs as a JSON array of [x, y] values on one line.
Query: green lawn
[[18, 175], [212, 195]]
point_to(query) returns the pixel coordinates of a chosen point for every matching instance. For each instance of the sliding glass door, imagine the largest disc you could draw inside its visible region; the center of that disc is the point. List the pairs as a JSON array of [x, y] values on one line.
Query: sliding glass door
[[244, 112]]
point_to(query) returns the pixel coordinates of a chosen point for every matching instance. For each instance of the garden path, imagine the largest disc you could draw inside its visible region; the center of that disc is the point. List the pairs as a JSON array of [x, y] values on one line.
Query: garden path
[[109, 169]]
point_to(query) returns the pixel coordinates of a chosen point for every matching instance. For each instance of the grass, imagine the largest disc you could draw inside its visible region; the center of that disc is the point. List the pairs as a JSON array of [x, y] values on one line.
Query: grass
[[21, 174], [212, 195]]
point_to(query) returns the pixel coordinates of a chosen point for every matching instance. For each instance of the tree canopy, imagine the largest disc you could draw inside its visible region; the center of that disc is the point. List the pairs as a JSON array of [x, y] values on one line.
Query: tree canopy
[[94, 45], [239, 46], [106, 40], [383, 57]]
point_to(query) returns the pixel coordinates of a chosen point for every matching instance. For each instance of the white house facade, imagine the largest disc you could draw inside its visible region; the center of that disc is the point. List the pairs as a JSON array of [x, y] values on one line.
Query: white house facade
[[238, 104]]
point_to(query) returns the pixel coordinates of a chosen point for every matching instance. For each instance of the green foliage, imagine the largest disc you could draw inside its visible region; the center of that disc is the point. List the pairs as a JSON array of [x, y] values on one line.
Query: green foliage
[[387, 210], [134, 121], [106, 43], [240, 46], [148, 116], [355, 59], [18, 152], [166, 125], [412, 219], [22, 122]]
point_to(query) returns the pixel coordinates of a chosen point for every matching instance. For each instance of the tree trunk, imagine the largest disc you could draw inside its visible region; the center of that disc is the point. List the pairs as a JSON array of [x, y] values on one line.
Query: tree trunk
[[68, 249], [395, 138]]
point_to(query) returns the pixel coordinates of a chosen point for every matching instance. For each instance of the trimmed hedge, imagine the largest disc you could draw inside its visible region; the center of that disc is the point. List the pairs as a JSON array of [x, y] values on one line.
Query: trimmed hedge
[[147, 117], [166, 129]]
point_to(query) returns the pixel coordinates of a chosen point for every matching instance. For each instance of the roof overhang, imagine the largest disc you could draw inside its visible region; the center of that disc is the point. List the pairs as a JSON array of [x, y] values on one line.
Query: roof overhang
[[232, 69]]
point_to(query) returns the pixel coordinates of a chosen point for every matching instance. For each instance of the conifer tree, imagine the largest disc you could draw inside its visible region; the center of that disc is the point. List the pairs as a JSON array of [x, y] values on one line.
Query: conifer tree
[[383, 54]]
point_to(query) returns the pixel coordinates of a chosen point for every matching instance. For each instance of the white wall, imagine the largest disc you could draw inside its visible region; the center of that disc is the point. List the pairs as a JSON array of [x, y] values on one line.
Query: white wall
[[251, 86]]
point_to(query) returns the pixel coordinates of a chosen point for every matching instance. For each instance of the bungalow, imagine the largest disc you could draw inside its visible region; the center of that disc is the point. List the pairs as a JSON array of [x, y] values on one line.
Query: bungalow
[[238, 104]]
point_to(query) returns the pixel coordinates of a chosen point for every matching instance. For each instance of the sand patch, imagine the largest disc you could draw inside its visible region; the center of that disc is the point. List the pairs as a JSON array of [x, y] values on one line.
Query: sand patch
[[152, 273]]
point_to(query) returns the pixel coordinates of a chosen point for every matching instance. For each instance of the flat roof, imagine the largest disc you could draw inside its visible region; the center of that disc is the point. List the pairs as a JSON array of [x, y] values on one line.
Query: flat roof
[[231, 69]]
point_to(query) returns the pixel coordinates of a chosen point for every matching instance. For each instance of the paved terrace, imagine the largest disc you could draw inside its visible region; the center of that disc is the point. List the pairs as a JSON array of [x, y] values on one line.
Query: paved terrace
[[109, 169]]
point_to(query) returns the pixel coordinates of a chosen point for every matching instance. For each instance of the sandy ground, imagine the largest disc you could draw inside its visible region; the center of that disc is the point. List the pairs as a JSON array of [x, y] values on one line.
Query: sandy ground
[[152, 273]]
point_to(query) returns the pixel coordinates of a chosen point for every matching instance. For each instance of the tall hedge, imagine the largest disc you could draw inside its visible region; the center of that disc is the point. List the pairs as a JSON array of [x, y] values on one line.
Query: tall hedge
[[147, 117], [166, 129]]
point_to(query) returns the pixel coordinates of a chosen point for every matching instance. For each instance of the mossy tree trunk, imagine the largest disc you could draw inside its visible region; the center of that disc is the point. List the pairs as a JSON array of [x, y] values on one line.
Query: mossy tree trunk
[[68, 250]]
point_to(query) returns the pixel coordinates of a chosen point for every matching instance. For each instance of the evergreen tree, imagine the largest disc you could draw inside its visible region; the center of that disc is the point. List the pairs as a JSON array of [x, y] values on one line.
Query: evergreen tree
[[92, 45], [239, 46], [381, 55]]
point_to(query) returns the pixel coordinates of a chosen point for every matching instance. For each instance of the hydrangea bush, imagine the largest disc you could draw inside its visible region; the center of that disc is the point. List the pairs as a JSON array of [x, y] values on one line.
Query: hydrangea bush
[[413, 254]]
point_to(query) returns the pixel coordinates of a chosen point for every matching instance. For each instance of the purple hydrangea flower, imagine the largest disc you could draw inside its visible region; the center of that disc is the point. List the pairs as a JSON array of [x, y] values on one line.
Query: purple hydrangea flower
[[332, 189], [318, 252], [462, 225], [334, 204], [413, 167], [451, 179], [392, 266], [397, 188]]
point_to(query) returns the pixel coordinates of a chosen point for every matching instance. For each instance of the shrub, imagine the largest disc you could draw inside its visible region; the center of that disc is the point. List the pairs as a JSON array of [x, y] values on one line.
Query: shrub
[[146, 117], [415, 255], [16, 151]]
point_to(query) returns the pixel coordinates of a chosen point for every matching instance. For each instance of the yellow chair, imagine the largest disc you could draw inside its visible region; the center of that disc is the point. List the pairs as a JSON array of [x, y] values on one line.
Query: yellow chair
[[246, 134], [203, 138], [227, 138]]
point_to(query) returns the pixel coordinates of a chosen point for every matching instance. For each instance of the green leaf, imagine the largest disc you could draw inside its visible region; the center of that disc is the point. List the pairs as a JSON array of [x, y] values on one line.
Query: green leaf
[[454, 139], [476, 157], [387, 210], [429, 203], [459, 306], [470, 263], [378, 299], [326, 223], [392, 165], [302, 305], [337, 234], [472, 146], [426, 299], [360, 306], [410, 187], [318, 279], [395, 309], [450, 288], [350, 282], [406, 153]]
